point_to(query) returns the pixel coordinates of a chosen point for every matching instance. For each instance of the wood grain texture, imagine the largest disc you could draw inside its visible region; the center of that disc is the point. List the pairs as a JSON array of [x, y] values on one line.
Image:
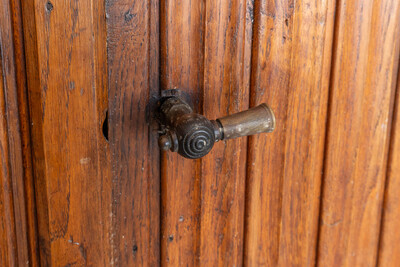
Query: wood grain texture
[[30, 228], [132, 28], [181, 66], [290, 71], [389, 249], [33, 82], [65, 49], [18, 195], [227, 54], [362, 87], [269, 82], [8, 236], [95, 190]]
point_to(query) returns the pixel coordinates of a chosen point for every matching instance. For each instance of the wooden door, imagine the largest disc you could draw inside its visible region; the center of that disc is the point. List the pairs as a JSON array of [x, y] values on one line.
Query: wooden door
[[83, 182]]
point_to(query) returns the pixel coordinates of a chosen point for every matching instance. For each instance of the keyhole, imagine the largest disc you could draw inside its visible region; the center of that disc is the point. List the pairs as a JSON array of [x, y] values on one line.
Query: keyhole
[[105, 126]]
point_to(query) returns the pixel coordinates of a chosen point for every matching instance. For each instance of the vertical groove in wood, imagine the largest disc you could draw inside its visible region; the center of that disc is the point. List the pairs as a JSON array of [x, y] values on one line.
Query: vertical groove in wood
[[362, 88], [64, 44], [33, 82], [133, 77], [305, 130], [17, 181], [101, 134], [181, 59], [290, 71], [226, 91], [389, 246], [269, 82], [8, 238], [23, 110]]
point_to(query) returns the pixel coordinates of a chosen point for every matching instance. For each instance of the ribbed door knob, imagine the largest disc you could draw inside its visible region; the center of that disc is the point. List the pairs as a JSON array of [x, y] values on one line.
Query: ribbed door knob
[[192, 135]]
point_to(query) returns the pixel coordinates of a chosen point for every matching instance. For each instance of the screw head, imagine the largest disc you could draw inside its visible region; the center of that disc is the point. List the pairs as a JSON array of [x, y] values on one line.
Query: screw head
[[164, 142]]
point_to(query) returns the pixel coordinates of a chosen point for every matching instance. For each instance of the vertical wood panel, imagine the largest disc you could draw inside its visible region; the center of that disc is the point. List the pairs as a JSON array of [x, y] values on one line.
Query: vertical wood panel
[[32, 72], [65, 44], [133, 77], [389, 249], [363, 80], [290, 71], [226, 91], [18, 203], [24, 127], [181, 59], [8, 238], [269, 83]]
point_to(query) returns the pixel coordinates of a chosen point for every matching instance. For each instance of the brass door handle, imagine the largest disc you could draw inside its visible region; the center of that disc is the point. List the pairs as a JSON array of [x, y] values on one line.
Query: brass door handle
[[192, 135]]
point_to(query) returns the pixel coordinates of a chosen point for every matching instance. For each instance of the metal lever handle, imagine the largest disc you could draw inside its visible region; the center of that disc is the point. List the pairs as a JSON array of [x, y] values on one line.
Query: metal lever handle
[[256, 120], [192, 135]]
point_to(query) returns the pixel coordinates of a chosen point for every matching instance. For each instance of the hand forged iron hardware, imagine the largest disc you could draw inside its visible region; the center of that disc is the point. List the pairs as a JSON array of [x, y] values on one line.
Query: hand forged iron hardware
[[192, 135]]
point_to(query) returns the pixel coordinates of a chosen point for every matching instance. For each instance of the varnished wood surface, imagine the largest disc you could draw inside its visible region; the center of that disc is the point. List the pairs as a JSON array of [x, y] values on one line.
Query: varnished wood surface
[[327, 68], [8, 238], [271, 58], [227, 50], [18, 236], [30, 226], [65, 48], [362, 88], [181, 66], [389, 249], [132, 40], [31, 58], [290, 72]]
